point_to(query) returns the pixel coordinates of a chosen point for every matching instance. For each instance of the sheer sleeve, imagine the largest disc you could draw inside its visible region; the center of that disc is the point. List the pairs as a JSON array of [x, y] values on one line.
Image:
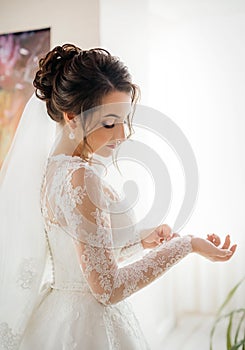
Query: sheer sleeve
[[133, 247], [130, 250], [87, 219]]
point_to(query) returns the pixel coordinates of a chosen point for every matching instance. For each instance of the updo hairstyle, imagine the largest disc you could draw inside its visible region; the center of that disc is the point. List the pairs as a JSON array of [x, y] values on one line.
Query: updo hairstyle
[[73, 80]]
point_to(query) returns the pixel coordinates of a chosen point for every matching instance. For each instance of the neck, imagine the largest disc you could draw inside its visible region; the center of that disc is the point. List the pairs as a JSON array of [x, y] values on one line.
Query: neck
[[63, 144]]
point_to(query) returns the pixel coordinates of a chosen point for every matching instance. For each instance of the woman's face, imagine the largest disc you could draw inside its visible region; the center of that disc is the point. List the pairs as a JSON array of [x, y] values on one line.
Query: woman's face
[[109, 123]]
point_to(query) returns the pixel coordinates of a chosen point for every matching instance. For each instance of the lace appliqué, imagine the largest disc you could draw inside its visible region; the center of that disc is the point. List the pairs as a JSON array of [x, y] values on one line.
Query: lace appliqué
[[120, 320], [108, 282], [70, 344], [27, 273], [131, 249], [134, 276], [8, 340], [98, 255]]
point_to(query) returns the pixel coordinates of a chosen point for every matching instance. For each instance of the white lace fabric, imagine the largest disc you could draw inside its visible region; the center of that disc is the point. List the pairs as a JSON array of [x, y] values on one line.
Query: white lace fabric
[[77, 200], [89, 287]]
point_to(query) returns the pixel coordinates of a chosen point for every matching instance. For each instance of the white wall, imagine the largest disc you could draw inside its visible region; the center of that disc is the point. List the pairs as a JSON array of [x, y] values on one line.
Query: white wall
[[73, 21], [197, 77], [124, 31], [188, 57]]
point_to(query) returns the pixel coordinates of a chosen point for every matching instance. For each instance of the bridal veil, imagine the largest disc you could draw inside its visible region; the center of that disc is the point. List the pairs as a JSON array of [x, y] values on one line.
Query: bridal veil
[[23, 249]]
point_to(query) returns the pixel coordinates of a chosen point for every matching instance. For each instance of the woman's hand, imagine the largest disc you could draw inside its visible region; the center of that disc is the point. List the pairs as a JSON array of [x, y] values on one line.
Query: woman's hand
[[209, 248], [213, 238], [157, 236]]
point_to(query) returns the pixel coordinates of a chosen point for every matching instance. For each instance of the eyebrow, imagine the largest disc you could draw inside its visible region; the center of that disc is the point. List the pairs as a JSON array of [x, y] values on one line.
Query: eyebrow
[[111, 115]]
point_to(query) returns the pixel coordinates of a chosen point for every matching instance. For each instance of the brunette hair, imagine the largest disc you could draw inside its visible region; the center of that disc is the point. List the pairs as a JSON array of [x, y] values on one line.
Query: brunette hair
[[73, 80]]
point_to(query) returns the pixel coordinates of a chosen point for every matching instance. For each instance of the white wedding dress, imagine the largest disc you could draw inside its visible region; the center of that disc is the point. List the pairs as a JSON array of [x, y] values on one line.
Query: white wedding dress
[[97, 262]]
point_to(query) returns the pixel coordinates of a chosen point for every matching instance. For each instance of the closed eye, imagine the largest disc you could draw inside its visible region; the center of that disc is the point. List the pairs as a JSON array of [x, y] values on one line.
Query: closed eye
[[111, 124], [108, 126]]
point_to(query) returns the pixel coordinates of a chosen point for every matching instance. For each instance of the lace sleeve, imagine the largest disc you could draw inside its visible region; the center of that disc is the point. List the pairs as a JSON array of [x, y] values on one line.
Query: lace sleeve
[[134, 246], [87, 220], [130, 250]]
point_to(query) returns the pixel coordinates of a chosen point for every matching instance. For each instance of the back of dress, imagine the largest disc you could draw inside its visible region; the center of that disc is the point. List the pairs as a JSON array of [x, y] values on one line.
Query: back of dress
[[66, 272], [77, 203], [87, 305], [75, 313], [65, 225]]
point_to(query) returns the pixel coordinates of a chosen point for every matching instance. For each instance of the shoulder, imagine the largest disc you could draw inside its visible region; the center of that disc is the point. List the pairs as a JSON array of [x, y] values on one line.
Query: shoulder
[[83, 178], [74, 174], [62, 171], [64, 165]]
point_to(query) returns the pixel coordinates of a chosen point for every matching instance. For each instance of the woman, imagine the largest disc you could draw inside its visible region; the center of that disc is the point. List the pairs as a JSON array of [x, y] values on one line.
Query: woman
[[89, 94]]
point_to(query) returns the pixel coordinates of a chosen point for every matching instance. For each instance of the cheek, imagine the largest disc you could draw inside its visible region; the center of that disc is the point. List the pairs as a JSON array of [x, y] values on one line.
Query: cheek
[[99, 137]]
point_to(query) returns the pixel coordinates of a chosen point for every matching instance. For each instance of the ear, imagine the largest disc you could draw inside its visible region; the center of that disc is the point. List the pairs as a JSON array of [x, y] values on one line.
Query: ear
[[69, 119]]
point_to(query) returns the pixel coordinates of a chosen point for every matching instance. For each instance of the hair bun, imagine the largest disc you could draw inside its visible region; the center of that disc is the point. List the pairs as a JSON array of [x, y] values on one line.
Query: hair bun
[[50, 66], [73, 80], [67, 51]]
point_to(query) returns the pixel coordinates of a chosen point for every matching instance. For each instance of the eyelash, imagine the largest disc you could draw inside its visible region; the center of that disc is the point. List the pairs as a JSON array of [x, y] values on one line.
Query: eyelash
[[110, 126]]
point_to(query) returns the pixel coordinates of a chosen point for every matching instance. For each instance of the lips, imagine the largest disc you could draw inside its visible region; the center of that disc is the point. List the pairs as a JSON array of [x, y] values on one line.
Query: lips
[[111, 146]]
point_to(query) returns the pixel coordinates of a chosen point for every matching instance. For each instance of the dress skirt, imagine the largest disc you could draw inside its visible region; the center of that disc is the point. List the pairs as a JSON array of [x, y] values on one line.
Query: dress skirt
[[69, 320]]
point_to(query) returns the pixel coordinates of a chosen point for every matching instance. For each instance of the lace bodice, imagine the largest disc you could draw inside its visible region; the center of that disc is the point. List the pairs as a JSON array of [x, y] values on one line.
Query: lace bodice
[[88, 239]]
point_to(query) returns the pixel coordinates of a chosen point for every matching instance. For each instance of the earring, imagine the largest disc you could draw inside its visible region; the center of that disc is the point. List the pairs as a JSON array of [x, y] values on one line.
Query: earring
[[71, 136]]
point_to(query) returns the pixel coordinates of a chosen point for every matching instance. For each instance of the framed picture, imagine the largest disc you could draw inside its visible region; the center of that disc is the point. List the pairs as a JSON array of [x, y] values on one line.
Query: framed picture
[[19, 56]]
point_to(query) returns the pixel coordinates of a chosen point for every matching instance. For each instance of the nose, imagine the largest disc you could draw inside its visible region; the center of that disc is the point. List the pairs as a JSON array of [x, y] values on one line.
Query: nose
[[119, 133]]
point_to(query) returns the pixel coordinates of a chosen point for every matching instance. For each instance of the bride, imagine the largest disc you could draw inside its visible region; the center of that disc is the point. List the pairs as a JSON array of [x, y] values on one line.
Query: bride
[[56, 207]]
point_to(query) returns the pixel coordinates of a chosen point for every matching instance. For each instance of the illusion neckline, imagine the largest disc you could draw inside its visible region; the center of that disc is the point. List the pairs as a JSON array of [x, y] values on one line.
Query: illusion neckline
[[63, 155]]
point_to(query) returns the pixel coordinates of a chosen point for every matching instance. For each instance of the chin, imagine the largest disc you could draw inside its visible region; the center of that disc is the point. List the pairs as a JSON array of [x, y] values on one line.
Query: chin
[[104, 153]]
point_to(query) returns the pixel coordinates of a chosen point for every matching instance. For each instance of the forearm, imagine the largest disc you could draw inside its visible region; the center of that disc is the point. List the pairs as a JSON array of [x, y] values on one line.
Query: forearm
[[133, 277], [135, 247], [131, 250]]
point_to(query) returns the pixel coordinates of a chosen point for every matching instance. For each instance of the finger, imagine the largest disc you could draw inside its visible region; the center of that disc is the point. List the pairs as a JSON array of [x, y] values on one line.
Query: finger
[[224, 258], [166, 229], [156, 239], [160, 231], [172, 235], [227, 242], [227, 254], [211, 238], [176, 235], [214, 239], [223, 252], [231, 250]]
